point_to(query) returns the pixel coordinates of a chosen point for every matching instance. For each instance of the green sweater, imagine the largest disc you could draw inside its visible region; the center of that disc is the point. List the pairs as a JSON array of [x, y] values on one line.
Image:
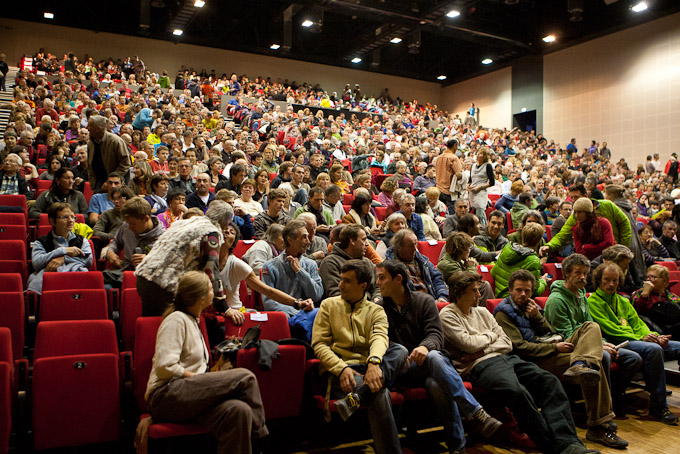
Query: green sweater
[[565, 310], [513, 257], [447, 266], [328, 217], [617, 317], [606, 209]]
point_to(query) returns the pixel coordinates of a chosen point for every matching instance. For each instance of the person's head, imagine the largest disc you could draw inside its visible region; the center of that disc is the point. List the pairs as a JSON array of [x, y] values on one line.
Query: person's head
[[458, 245], [392, 278], [521, 287], [335, 172], [362, 203], [137, 214], [432, 195], [176, 197], [295, 237], [96, 125], [274, 235], [323, 180], [231, 236], [355, 277], [55, 163], [332, 194], [646, 233], [608, 277], [405, 244], [584, 210], [669, 229], [63, 180], [552, 204], [469, 224], [194, 293], [316, 160], [461, 207], [618, 254], [525, 198], [238, 173], [395, 222], [353, 240], [389, 185], [185, 168], [566, 209], [310, 221], [575, 269], [464, 288], [532, 234], [61, 218], [12, 163], [576, 191], [408, 205], [297, 174], [316, 198], [276, 199], [659, 276], [203, 184], [220, 214], [495, 224], [517, 187]]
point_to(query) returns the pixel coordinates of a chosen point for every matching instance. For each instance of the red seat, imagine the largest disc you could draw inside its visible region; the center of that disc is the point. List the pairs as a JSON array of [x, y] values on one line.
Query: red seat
[[43, 220], [248, 300], [541, 300], [6, 388], [12, 219], [493, 198], [70, 281], [555, 269], [672, 266], [43, 185], [129, 280], [73, 305], [376, 171], [11, 282], [14, 232], [15, 201], [130, 311], [272, 175], [485, 272], [287, 372], [12, 317], [13, 258], [381, 213], [242, 247], [347, 199], [441, 306], [274, 328], [491, 304], [87, 192], [430, 251], [347, 208], [508, 218]]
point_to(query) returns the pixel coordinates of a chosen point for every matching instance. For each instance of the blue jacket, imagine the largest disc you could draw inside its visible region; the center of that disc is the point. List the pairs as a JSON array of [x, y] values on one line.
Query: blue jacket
[[245, 225], [193, 200], [505, 203], [431, 275], [304, 284], [511, 309], [416, 224], [142, 119]]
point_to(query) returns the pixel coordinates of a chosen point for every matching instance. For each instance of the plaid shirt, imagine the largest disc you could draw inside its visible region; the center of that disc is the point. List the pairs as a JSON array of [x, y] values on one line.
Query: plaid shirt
[[10, 185]]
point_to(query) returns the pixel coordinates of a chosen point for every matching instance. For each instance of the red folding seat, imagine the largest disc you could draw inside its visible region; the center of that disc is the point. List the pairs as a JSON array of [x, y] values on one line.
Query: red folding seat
[[672, 266], [347, 208], [13, 258], [541, 300], [485, 272], [11, 282], [242, 247], [87, 192], [431, 251], [70, 281], [43, 185], [509, 225], [12, 219], [130, 311], [15, 201], [14, 232], [274, 328], [12, 317], [76, 384], [381, 213], [491, 304], [6, 389], [554, 269], [44, 220], [78, 304], [441, 306], [129, 280], [347, 199]]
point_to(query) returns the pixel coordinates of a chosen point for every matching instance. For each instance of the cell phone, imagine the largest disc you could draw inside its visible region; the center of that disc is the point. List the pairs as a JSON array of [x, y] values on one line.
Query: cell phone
[[622, 344], [550, 276]]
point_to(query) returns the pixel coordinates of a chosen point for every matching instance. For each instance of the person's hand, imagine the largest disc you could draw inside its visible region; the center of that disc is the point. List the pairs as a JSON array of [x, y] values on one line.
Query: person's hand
[[565, 347], [532, 309], [137, 258], [236, 316], [544, 251], [323, 228], [611, 349], [54, 264], [294, 263], [239, 211], [663, 340], [77, 181], [647, 288], [374, 378], [419, 354], [546, 278], [651, 337], [347, 382], [306, 305], [318, 255], [113, 259], [470, 262], [73, 251], [375, 231], [442, 300]]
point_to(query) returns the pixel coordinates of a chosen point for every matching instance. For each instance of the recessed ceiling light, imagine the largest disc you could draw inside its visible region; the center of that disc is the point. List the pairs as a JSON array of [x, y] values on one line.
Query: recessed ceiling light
[[177, 32], [487, 61], [199, 3], [307, 23], [356, 60], [274, 46], [442, 77], [549, 38], [395, 40], [453, 13], [48, 15], [639, 7]]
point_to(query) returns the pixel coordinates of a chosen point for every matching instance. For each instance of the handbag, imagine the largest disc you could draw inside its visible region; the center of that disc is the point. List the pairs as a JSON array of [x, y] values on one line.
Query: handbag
[[228, 348]]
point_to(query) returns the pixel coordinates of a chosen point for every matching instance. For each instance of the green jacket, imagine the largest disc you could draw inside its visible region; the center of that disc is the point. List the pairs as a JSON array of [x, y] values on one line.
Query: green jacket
[[447, 266], [514, 257], [516, 237], [617, 317], [164, 82], [516, 212], [565, 310], [606, 209], [328, 217]]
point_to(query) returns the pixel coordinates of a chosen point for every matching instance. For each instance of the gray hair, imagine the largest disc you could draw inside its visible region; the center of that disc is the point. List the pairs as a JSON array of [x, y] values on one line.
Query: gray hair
[[220, 213], [306, 217], [273, 231], [399, 237], [409, 197], [21, 161], [291, 229], [99, 121]]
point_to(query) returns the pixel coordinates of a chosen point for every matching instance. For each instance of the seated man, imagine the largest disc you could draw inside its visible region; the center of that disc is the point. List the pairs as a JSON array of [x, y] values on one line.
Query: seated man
[[670, 228], [237, 174], [480, 349], [333, 202], [414, 323], [490, 239], [184, 180], [520, 207], [318, 247], [351, 246], [60, 250], [274, 213], [622, 256], [292, 272], [110, 221], [577, 359], [202, 196], [356, 353], [470, 224], [461, 208], [297, 186], [315, 206], [413, 220], [619, 323], [103, 201], [11, 180], [424, 277]]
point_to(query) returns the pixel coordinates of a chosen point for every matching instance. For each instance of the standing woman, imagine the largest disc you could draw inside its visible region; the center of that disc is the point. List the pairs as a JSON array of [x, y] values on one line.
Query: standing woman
[[592, 233], [481, 178], [180, 389]]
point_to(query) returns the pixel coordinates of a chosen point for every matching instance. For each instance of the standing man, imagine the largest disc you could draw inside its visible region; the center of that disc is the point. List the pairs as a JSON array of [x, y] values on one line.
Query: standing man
[[446, 167], [356, 352], [106, 153], [414, 323], [4, 69]]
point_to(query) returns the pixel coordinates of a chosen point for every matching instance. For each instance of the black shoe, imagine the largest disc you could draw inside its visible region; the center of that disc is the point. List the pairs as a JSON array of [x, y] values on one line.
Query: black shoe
[[488, 425], [665, 416], [581, 375], [347, 405], [607, 437], [579, 448]]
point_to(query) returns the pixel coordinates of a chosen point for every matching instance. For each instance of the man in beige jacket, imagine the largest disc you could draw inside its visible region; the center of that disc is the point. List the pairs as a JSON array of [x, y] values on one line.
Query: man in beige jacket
[[106, 153]]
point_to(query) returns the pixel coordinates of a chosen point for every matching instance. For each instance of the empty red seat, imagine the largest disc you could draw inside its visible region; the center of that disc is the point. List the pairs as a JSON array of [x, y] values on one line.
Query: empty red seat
[[242, 247], [68, 281], [11, 282], [274, 328], [6, 388], [431, 251], [14, 232], [15, 201], [12, 219], [130, 311], [12, 318], [672, 266], [13, 258], [81, 304]]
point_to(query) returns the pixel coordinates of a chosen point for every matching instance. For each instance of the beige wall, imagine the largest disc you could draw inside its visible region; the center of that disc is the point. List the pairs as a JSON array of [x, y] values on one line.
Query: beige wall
[[19, 37], [491, 93], [623, 89]]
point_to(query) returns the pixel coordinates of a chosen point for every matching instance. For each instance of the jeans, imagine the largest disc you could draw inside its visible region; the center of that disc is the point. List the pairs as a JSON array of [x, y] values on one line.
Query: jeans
[[381, 420], [653, 369], [628, 364], [481, 214], [447, 391], [525, 388]]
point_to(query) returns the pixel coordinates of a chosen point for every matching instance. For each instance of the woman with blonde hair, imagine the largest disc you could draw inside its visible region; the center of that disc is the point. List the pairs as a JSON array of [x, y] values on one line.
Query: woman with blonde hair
[[323, 180], [141, 183], [180, 389], [335, 173]]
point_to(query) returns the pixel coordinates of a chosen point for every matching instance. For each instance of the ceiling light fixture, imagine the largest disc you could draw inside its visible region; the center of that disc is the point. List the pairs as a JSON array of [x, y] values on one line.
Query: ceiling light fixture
[[308, 23], [639, 7], [275, 46], [453, 13], [395, 40], [199, 3], [549, 38], [47, 15], [177, 32], [487, 61], [356, 60], [442, 77]]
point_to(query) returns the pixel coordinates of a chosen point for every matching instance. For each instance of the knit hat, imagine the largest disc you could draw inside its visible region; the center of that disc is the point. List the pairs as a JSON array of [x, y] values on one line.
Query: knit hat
[[583, 204]]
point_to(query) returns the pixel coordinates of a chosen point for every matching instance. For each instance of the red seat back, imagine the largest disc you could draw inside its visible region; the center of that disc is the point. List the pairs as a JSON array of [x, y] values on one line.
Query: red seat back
[[14, 232], [242, 247], [555, 269], [68, 281], [11, 282], [146, 329], [43, 220], [12, 317], [509, 221], [347, 199], [129, 280], [274, 328], [541, 300], [5, 405], [12, 219], [15, 201], [130, 311], [491, 304], [441, 306], [73, 305], [430, 251], [672, 266], [75, 337], [485, 272], [87, 192], [43, 185], [6, 355], [381, 213]]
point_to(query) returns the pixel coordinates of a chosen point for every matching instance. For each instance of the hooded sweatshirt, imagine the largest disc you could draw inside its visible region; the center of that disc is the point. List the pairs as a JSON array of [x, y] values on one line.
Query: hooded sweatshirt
[[514, 257], [566, 311]]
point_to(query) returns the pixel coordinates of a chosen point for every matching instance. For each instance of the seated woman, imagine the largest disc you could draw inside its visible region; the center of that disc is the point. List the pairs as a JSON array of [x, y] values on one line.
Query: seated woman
[[436, 209], [270, 246], [60, 191], [215, 167], [261, 184], [387, 188], [515, 256], [396, 201], [430, 228], [656, 302], [246, 201], [592, 233], [141, 182], [403, 180], [457, 258], [54, 163], [176, 208], [652, 248], [390, 226], [61, 250], [180, 388], [158, 198], [507, 201], [337, 178], [323, 180], [552, 210], [529, 217], [360, 213]]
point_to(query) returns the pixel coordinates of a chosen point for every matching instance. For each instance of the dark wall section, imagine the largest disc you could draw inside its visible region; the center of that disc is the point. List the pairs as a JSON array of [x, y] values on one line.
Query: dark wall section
[[527, 90]]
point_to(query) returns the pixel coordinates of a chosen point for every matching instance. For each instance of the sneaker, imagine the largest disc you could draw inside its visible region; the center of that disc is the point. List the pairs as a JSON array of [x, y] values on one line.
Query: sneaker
[[665, 416], [579, 448], [488, 425], [606, 436], [581, 375], [347, 405]]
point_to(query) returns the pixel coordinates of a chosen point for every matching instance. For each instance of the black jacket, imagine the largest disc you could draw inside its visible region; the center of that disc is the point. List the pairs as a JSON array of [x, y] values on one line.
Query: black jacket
[[417, 324], [21, 185]]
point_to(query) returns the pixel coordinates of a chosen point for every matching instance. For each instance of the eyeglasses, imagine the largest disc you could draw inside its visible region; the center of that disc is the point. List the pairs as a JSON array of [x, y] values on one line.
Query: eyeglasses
[[67, 217]]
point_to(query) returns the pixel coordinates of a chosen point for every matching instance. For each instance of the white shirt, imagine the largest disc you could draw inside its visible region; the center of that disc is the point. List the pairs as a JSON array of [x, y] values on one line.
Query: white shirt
[[234, 271]]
